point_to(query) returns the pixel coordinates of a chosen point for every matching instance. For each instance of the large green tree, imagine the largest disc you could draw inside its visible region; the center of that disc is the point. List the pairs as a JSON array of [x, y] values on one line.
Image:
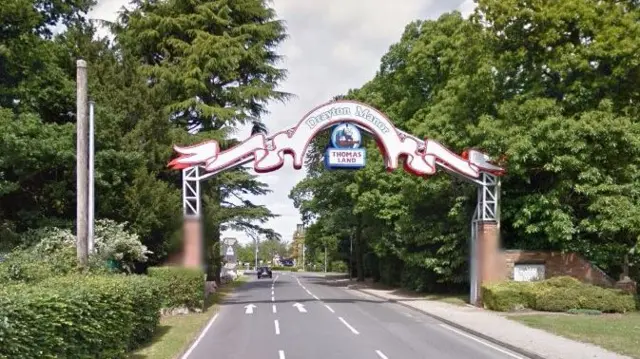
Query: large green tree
[[547, 84], [214, 65]]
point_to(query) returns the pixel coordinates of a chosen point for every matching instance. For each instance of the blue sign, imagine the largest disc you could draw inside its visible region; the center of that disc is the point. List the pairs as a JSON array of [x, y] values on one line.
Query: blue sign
[[345, 148]]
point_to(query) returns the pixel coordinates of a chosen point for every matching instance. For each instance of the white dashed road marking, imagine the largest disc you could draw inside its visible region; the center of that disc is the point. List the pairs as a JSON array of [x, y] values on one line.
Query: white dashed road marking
[[352, 329], [330, 309], [277, 325], [273, 307], [281, 354], [381, 355]]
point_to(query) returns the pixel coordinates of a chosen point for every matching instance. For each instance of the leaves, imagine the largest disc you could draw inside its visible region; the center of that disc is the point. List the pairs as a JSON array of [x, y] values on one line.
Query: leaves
[[549, 85]]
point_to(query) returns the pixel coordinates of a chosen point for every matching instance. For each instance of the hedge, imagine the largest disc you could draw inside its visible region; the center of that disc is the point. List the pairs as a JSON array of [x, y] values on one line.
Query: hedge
[[285, 269], [78, 317], [180, 287], [559, 294]]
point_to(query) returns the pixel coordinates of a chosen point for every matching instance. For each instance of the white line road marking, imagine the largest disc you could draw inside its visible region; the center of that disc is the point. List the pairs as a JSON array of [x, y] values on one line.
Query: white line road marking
[[274, 280], [273, 307], [248, 309], [315, 296], [353, 330], [381, 355], [277, 326], [272, 292], [195, 344], [300, 307], [281, 354], [308, 292], [273, 299], [480, 341], [328, 307], [303, 287]]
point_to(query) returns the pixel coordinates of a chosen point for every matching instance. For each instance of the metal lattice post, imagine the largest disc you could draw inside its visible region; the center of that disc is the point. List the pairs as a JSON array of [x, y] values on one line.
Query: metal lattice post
[[488, 198], [191, 202], [487, 210]]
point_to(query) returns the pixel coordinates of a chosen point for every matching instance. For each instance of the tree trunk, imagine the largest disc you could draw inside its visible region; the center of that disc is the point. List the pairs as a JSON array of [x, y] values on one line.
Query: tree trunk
[[211, 220], [359, 250]]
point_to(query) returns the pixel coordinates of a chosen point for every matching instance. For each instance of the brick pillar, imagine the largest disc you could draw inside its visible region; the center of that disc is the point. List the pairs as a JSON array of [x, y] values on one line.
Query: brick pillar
[[192, 243], [489, 256]]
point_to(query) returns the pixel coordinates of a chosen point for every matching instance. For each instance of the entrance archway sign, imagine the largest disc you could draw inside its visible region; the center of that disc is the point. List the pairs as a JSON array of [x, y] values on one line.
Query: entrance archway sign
[[420, 157]]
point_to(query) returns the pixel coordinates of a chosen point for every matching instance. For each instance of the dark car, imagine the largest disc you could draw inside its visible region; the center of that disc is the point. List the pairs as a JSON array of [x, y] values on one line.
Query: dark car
[[287, 262], [264, 272]]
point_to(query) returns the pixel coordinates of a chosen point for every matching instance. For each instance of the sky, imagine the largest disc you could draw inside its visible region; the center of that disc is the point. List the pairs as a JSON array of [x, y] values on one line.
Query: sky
[[333, 46]]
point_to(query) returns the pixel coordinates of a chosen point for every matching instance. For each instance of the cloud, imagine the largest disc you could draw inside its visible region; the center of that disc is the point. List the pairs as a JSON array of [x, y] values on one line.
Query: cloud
[[333, 46]]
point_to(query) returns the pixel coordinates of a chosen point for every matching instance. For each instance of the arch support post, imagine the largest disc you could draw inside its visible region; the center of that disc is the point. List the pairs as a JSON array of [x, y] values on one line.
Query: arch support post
[[192, 244], [485, 237]]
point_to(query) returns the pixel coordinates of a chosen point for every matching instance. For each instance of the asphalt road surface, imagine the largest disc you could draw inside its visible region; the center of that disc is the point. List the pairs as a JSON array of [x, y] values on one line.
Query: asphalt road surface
[[298, 316]]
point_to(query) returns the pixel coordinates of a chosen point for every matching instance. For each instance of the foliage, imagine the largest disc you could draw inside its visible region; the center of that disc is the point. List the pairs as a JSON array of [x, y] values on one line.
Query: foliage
[[179, 287], [546, 85], [133, 137], [114, 242], [559, 294], [29, 266], [78, 316]]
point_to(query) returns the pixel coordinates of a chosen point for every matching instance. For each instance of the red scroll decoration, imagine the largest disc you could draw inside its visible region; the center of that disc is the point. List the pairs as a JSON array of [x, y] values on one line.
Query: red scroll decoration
[[267, 152]]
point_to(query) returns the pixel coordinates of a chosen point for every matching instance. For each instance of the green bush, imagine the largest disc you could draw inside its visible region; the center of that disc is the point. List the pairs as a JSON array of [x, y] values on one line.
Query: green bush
[[509, 296], [29, 266], [78, 317], [285, 269], [339, 266], [559, 294], [180, 287]]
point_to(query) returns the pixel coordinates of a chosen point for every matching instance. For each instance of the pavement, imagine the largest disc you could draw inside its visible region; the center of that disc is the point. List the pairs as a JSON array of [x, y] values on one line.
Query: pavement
[[493, 327], [299, 315]]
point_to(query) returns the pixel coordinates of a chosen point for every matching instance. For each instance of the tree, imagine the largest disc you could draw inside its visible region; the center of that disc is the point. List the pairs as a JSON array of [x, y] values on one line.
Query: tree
[[213, 65], [549, 85]]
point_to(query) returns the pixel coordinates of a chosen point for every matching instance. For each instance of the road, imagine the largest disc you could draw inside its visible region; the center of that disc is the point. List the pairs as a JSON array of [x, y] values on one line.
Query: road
[[298, 316]]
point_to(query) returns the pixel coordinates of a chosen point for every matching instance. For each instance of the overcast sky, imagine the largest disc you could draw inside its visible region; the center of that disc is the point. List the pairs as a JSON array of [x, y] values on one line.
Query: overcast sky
[[333, 46]]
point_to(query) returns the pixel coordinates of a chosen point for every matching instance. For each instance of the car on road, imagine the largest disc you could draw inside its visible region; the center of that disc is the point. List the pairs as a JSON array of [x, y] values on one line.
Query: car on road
[[264, 272], [287, 262]]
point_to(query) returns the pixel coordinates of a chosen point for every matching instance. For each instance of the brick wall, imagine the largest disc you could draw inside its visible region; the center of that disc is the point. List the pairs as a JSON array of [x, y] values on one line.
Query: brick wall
[[557, 264]]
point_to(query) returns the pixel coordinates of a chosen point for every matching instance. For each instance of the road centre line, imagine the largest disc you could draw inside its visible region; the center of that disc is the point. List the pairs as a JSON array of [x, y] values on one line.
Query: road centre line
[[381, 355], [481, 341], [202, 334], [273, 299], [281, 354], [273, 307], [277, 325], [353, 330], [330, 309]]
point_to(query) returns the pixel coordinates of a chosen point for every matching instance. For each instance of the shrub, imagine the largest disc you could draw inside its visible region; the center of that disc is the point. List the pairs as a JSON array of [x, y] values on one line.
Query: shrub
[[114, 242], [180, 287], [508, 296], [284, 269], [557, 294], [30, 266], [339, 266], [78, 317]]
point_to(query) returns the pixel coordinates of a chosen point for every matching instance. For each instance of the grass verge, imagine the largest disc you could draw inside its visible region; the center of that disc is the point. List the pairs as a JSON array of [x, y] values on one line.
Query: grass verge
[[617, 332], [176, 333], [456, 299]]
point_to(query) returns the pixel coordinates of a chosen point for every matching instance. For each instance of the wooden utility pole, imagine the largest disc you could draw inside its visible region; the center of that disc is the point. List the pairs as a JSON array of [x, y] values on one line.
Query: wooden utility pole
[[82, 166]]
